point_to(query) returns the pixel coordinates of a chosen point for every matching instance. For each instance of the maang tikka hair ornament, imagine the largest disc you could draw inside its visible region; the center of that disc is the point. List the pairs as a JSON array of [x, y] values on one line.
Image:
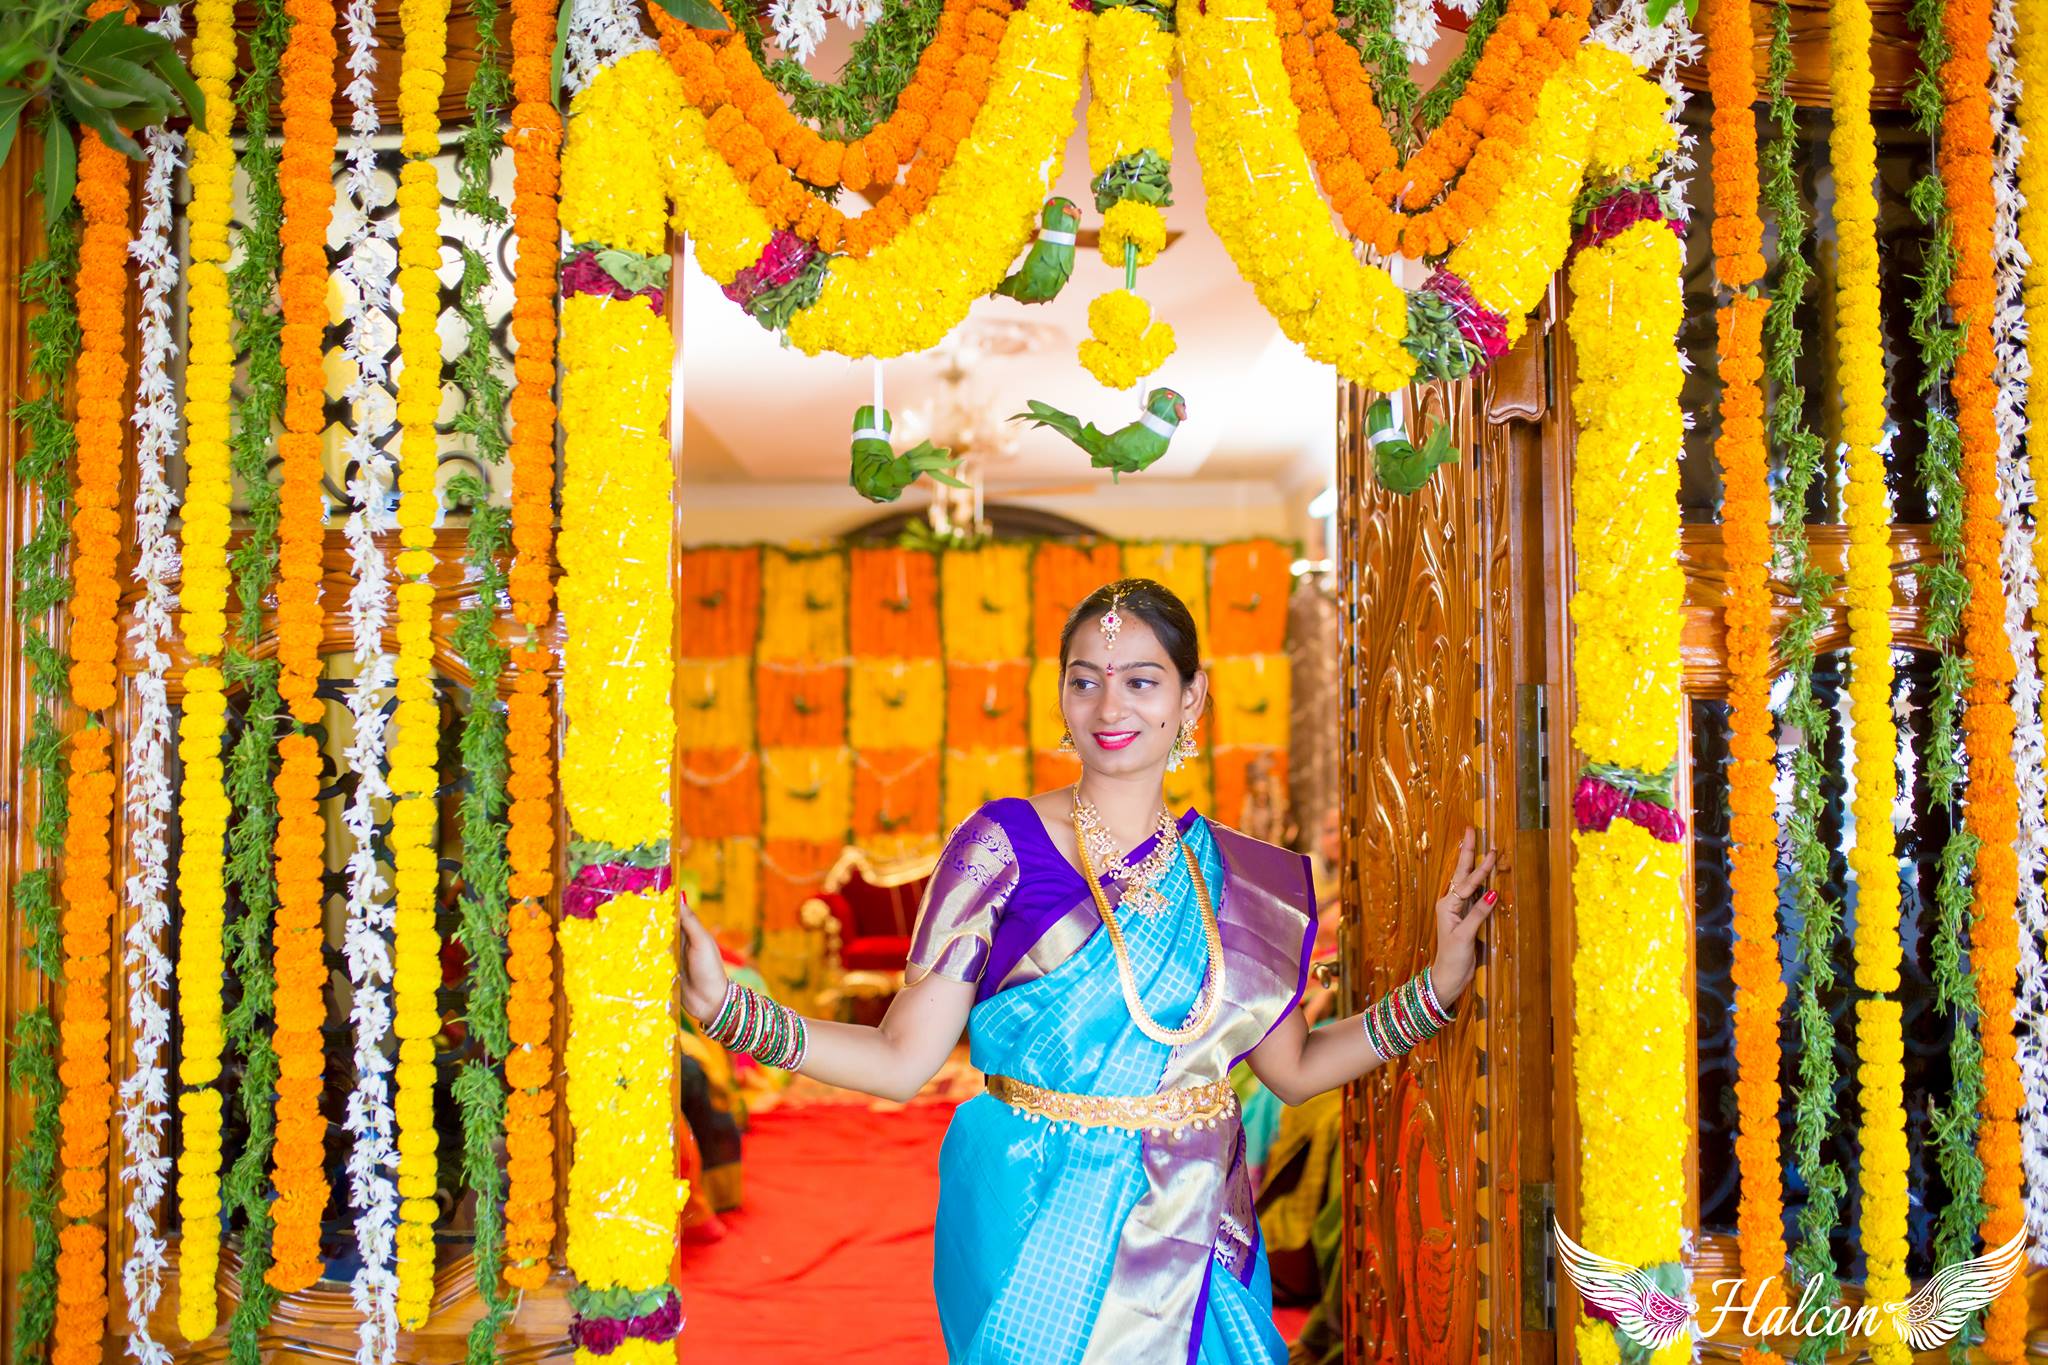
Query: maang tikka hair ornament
[[1111, 621]]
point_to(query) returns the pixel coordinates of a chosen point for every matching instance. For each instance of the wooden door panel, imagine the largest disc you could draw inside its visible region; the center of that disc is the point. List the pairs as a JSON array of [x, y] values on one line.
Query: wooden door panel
[[1431, 1154]]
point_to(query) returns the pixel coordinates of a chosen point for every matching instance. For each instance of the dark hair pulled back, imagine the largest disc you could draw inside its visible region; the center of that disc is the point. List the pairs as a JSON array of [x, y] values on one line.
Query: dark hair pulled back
[[1153, 603]]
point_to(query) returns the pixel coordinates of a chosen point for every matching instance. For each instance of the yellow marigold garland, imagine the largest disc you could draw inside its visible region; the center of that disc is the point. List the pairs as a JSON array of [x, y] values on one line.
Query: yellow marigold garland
[[1130, 121], [1880, 1042], [105, 188], [529, 714], [416, 947], [1262, 199], [1595, 114], [617, 952], [203, 596], [1123, 344], [299, 1171], [1991, 812], [615, 358], [1629, 1049], [907, 295]]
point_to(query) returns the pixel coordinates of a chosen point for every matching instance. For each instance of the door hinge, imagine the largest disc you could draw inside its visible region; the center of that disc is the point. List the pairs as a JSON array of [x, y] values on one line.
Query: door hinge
[[1532, 756], [1539, 1257]]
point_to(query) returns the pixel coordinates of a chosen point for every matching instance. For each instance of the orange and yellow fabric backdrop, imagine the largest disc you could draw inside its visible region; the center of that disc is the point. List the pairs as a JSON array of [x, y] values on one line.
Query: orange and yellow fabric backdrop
[[876, 695]]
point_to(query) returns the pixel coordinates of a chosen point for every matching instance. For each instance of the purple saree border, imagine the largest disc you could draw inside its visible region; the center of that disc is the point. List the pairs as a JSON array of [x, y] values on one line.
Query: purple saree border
[[1225, 837], [1027, 917]]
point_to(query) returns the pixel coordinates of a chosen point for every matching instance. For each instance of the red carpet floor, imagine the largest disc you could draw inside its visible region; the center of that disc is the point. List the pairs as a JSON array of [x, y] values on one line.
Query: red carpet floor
[[831, 1257]]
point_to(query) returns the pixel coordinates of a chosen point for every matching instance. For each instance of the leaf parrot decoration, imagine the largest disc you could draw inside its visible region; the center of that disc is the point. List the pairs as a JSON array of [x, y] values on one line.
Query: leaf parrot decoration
[[1401, 466], [108, 75], [1050, 264], [1127, 449], [879, 473]]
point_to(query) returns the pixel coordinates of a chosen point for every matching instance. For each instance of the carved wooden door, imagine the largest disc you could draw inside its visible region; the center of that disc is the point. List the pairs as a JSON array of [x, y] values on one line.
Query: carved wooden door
[[1446, 655]]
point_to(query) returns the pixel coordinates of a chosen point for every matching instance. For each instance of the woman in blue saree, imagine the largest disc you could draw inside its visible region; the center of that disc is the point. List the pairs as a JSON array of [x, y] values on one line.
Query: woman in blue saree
[[1094, 1204]]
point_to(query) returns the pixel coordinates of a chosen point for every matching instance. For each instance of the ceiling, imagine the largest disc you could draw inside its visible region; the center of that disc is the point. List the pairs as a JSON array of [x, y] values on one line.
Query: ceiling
[[1257, 408]]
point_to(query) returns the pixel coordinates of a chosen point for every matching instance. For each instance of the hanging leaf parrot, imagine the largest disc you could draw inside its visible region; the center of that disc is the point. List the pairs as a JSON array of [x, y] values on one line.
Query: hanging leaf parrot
[[1127, 449], [1400, 466], [879, 473], [1051, 260]]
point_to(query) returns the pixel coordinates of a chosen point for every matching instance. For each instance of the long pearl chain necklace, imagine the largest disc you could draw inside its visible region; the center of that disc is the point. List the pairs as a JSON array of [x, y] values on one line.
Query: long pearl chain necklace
[[1204, 1012]]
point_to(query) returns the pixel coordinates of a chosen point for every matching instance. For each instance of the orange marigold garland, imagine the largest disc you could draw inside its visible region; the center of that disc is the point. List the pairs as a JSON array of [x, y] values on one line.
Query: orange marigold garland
[[1745, 519], [1992, 810], [1377, 196], [299, 1172], [778, 158], [536, 140], [105, 186]]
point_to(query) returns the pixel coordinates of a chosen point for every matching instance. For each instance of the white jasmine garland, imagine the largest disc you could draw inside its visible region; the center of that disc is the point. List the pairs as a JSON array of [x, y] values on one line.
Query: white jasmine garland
[[2016, 559], [144, 1092], [799, 25], [600, 32], [1902, 725], [1414, 28], [1664, 49], [368, 261]]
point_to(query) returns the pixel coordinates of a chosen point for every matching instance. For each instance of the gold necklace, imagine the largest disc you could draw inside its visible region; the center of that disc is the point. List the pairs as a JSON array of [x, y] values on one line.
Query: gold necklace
[[1204, 1011], [1141, 895]]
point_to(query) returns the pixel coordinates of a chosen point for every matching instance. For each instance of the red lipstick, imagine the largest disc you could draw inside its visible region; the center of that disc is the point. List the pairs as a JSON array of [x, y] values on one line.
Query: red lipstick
[[1114, 739]]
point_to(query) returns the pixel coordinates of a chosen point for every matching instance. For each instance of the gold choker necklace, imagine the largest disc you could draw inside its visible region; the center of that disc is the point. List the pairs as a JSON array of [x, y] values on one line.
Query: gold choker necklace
[[1140, 881]]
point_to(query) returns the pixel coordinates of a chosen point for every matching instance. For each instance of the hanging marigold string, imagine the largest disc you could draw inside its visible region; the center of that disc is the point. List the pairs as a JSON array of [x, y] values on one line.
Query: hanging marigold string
[[105, 190], [203, 808], [1991, 813], [1629, 1046], [529, 711], [1745, 519], [1880, 1042], [1381, 198], [778, 158], [304, 177], [619, 739], [416, 957]]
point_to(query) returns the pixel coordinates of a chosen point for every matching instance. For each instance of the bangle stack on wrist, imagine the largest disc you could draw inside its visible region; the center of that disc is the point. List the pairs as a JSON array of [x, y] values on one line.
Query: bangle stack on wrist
[[1405, 1019], [748, 1021]]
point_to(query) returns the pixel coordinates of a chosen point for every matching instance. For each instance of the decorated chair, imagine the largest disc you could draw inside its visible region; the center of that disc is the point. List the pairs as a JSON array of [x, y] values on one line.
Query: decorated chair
[[864, 914]]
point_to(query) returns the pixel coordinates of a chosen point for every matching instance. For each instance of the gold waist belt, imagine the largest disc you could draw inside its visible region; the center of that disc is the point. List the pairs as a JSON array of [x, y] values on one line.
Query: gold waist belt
[[1195, 1106]]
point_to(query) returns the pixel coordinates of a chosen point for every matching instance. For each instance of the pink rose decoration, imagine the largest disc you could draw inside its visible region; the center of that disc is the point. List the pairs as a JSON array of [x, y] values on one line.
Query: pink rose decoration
[[662, 1324], [581, 274], [1662, 821], [782, 260], [1595, 804], [1617, 213], [599, 1336], [596, 883], [1482, 327]]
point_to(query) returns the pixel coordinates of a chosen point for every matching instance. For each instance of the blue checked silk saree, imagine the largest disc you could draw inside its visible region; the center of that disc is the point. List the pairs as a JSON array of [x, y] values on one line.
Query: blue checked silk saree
[[1056, 1246]]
